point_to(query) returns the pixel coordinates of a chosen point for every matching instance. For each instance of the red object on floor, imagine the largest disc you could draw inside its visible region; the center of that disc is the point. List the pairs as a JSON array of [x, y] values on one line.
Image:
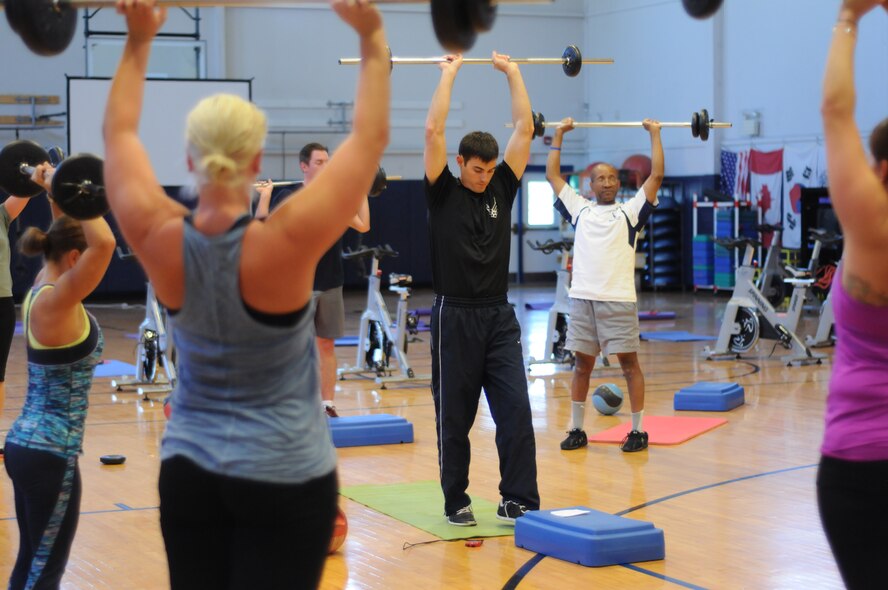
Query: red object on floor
[[662, 430], [340, 530]]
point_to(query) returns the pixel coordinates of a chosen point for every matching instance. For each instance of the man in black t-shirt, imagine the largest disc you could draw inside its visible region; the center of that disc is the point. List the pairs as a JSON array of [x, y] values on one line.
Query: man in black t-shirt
[[329, 276], [476, 339]]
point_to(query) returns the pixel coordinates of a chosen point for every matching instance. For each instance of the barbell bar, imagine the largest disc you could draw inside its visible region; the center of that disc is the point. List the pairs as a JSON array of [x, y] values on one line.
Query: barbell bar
[[571, 60], [380, 182], [700, 124], [47, 26]]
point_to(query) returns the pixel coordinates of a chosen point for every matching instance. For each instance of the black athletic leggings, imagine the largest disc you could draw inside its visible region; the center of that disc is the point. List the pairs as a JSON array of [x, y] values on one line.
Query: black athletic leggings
[[7, 331], [853, 501], [232, 533], [47, 507]]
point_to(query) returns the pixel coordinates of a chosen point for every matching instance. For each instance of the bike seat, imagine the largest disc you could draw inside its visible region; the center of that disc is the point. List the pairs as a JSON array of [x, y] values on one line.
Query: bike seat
[[824, 236], [765, 228], [732, 243]]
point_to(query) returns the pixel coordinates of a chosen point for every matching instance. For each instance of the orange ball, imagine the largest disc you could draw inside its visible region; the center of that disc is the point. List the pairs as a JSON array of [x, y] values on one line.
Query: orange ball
[[340, 530]]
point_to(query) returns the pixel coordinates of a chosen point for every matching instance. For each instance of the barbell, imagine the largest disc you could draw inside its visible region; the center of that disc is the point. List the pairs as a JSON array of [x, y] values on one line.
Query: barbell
[[77, 186], [380, 182], [47, 26], [700, 124], [571, 60]]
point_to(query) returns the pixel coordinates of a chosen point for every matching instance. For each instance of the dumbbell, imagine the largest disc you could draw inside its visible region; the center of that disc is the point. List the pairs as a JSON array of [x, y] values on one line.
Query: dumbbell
[[78, 186]]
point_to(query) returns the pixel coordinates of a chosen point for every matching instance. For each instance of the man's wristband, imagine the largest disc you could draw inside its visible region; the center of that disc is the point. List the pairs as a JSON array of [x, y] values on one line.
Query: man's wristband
[[552, 147]]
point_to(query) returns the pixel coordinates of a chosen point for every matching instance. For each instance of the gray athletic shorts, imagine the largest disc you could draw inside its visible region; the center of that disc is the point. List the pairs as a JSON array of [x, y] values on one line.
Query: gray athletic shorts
[[611, 326], [329, 313]]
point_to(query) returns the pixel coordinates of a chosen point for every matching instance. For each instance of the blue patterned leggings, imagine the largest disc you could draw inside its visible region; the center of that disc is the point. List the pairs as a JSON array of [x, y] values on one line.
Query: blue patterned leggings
[[47, 506]]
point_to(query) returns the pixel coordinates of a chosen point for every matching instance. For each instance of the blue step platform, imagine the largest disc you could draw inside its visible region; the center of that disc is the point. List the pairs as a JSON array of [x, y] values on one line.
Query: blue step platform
[[592, 539], [372, 429], [709, 396]]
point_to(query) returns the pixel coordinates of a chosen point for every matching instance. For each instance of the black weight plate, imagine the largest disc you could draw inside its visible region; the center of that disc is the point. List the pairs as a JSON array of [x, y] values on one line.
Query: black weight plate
[[12, 180], [572, 61], [453, 25], [704, 125], [695, 124], [539, 125], [78, 187], [380, 182], [482, 13], [46, 28], [701, 8], [112, 459]]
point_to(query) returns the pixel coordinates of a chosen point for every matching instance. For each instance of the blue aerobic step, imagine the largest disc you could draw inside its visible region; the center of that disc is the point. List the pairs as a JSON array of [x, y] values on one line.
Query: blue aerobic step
[[593, 539], [373, 429], [709, 396]]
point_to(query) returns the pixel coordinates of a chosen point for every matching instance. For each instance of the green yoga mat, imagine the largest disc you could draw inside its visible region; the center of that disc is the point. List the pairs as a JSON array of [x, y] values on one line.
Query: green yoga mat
[[421, 504]]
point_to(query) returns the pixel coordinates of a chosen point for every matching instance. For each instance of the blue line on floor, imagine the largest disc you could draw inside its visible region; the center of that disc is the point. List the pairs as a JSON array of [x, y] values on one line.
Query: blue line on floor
[[525, 569]]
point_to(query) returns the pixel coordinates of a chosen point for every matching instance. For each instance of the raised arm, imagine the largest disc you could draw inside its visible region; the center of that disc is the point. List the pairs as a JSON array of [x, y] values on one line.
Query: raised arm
[[856, 192], [87, 272], [435, 155], [309, 224], [136, 198], [653, 182], [518, 149], [262, 207], [553, 162], [361, 221]]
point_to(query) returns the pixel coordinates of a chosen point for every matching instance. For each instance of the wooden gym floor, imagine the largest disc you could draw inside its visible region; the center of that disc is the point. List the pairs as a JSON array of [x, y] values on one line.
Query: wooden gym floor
[[737, 504]]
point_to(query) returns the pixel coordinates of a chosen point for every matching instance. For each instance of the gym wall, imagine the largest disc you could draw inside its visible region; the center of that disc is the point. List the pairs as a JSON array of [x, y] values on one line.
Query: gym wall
[[753, 55]]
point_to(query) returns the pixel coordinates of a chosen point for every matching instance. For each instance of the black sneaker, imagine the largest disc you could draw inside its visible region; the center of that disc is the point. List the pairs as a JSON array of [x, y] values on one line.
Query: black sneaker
[[462, 517], [634, 441], [509, 510], [576, 439]]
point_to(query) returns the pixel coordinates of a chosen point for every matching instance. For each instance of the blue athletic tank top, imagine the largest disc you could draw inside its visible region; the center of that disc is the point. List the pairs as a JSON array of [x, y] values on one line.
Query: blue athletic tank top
[[59, 380], [247, 403]]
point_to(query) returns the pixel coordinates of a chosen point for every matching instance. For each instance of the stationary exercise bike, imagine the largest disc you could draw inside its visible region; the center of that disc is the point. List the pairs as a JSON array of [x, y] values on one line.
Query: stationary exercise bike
[[825, 334], [750, 316], [559, 313], [154, 350], [771, 278], [379, 338]]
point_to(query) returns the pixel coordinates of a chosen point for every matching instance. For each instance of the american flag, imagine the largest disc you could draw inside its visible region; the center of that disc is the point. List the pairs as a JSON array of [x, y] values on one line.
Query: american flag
[[735, 173]]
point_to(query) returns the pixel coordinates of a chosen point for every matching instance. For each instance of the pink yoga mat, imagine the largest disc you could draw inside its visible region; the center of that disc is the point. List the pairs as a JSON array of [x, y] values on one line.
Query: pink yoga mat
[[662, 430]]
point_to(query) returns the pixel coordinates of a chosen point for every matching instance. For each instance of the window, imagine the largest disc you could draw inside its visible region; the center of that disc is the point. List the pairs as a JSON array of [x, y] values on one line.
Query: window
[[540, 197]]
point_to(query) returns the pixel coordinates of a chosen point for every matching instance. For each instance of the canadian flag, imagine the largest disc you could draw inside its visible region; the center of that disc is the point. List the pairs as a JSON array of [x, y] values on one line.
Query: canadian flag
[[766, 183]]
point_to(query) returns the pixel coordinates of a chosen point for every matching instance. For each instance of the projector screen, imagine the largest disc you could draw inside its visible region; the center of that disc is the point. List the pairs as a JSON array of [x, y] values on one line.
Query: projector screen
[[162, 127]]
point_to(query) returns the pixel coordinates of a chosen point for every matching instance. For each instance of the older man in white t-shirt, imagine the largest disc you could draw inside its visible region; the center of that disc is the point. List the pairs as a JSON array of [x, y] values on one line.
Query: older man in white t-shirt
[[603, 310]]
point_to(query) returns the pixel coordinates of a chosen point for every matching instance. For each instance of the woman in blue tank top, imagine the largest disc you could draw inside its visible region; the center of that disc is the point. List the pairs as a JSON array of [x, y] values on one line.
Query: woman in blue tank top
[[64, 345], [852, 481], [248, 488]]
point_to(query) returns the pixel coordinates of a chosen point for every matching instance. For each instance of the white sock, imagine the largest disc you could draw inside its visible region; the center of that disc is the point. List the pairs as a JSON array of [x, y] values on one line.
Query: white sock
[[636, 420], [577, 412]]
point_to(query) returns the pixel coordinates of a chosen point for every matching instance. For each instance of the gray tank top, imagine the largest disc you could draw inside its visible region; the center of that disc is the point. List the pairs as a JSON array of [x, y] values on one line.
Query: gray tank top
[[248, 402]]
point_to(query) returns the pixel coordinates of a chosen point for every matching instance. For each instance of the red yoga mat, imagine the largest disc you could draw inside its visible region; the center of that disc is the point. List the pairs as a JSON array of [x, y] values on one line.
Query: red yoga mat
[[662, 430]]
